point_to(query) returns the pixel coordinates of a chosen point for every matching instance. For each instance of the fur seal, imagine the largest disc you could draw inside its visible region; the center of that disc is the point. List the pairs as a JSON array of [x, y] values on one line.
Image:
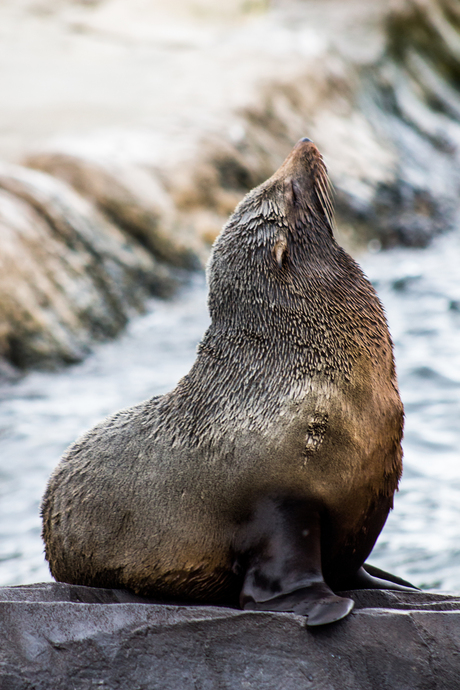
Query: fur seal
[[267, 474]]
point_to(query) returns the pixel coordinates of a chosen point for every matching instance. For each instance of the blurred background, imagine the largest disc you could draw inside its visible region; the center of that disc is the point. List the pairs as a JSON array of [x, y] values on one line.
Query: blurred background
[[129, 130]]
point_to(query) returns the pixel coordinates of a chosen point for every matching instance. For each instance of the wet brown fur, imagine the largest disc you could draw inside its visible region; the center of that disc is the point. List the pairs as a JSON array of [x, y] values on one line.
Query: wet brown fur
[[293, 391]]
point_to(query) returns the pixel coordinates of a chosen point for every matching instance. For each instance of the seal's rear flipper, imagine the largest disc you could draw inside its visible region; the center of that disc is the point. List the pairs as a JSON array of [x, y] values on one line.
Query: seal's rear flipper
[[281, 552], [373, 571], [370, 577]]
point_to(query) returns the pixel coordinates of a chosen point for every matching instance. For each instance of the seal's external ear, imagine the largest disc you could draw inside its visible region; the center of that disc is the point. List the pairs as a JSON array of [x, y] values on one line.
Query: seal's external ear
[[280, 250]]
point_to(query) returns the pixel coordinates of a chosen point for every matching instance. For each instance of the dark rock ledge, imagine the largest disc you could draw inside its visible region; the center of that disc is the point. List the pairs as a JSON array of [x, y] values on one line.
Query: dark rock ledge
[[65, 636]]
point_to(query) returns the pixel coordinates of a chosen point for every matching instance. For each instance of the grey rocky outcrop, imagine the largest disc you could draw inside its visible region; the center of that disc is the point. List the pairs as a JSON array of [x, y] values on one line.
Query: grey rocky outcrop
[[375, 85], [67, 275], [66, 636], [380, 98]]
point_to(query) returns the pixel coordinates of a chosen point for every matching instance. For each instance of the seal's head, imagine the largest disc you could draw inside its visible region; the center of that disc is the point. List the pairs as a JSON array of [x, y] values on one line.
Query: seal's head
[[301, 186], [281, 233]]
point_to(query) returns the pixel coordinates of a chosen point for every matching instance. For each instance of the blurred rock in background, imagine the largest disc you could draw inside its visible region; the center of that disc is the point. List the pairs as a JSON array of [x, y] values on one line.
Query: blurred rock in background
[[67, 275], [149, 121]]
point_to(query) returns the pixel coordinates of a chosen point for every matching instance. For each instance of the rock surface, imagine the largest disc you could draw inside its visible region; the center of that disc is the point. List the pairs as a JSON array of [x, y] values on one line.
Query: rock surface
[[58, 635]]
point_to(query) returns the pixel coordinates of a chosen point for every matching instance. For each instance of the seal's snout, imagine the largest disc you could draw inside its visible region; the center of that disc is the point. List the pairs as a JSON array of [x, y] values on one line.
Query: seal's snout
[[304, 144], [306, 183]]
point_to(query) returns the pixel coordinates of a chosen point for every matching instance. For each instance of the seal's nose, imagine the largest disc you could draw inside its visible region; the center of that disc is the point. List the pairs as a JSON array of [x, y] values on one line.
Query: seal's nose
[[306, 139]]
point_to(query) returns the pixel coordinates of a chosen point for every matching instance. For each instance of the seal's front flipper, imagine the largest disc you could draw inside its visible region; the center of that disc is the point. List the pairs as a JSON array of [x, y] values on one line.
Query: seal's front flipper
[[281, 553], [370, 577], [316, 601]]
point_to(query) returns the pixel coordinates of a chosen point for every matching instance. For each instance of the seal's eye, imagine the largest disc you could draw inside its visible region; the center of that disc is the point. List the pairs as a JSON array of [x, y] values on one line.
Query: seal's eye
[[296, 193], [280, 250]]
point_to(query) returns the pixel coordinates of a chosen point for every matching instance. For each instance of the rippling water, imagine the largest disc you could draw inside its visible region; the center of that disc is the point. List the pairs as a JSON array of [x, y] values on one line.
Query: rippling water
[[41, 414], [421, 293]]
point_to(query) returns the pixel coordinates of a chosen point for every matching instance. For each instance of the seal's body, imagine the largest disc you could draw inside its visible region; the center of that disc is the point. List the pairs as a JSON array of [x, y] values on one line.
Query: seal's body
[[271, 467]]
